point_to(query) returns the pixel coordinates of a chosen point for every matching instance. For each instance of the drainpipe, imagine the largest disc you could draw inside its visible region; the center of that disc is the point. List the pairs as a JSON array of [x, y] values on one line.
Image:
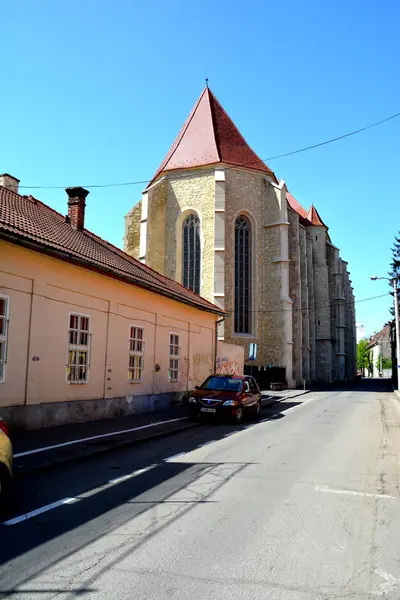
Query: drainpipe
[[216, 342]]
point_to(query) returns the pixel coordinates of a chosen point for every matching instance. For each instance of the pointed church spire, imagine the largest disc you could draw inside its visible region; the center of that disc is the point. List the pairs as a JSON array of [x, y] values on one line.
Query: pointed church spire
[[314, 218], [210, 137]]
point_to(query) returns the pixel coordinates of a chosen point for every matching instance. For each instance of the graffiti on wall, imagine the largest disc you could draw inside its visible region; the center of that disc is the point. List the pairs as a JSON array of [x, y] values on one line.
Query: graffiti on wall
[[202, 366], [227, 366]]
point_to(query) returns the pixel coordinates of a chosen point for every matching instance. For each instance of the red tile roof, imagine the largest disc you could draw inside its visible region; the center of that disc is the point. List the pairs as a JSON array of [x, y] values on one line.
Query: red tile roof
[[296, 206], [28, 221], [314, 217], [209, 137]]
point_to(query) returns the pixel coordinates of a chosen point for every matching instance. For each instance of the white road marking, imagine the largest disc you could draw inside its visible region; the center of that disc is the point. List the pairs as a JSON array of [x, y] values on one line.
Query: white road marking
[[325, 488], [58, 503], [128, 476], [169, 458], [390, 582], [95, 437], [39, 511], [114, 433]]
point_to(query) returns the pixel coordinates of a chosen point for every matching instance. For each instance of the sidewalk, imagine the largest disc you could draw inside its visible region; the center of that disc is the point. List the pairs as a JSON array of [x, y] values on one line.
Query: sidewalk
[[40, 449], [269, 397]]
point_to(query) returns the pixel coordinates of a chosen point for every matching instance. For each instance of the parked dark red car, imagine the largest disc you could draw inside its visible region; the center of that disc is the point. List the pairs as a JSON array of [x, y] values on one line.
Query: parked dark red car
[[229, 396]]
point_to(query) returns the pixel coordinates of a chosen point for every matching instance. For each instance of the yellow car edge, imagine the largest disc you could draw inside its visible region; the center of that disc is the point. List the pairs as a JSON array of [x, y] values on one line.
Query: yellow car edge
[[6, 464]]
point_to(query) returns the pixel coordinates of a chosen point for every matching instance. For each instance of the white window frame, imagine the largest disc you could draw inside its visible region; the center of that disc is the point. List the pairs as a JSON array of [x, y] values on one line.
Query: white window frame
[[4, 338], [79, 347], [135, 353], [176, 357]]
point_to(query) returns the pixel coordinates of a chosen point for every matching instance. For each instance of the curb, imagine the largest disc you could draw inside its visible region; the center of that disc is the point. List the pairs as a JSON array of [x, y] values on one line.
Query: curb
[[87, 452], [90, 451]]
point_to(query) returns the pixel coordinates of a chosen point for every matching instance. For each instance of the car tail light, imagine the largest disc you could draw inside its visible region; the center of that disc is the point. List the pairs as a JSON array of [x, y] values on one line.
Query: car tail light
[[3, 427]]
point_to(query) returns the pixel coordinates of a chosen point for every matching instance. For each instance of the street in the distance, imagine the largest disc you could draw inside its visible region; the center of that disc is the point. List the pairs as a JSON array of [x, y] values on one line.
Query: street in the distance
[[303, 504]]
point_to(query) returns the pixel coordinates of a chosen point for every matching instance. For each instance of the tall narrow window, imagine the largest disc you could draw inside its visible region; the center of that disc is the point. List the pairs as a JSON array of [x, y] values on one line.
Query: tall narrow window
[[136, 354], [191, 253], [242, 275], [78, 349], [3, 335], [174, 357]]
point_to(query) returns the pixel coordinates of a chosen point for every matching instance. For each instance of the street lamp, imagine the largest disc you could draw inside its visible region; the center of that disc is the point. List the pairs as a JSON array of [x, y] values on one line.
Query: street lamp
[[393, 281]]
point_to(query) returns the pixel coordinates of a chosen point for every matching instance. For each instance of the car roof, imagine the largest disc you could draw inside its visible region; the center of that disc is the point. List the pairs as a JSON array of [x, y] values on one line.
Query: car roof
[[231, 376]]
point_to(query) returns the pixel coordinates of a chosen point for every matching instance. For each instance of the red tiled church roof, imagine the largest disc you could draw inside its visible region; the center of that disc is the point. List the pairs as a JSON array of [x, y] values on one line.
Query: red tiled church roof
[[314, 217], [296, 206], [28, 221], [210, 137]]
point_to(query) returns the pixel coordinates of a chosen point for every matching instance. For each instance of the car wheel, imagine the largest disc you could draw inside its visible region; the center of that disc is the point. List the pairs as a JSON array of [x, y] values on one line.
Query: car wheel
[[5, 481], [239, 415]]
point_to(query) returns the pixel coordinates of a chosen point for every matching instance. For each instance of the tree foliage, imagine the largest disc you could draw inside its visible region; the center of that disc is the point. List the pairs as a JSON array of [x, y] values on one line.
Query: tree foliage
[[395, 265], [386, 363], [363, 356]]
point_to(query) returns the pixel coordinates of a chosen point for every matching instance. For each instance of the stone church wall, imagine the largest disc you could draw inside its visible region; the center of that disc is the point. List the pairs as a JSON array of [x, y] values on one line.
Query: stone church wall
[[191, 193], [299, 319], [248, 193], [132, 230], [295, 295], [305, 314], [322, 311]]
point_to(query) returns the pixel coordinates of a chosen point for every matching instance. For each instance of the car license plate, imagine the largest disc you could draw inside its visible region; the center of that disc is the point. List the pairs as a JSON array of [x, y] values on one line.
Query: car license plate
[[208, 410]]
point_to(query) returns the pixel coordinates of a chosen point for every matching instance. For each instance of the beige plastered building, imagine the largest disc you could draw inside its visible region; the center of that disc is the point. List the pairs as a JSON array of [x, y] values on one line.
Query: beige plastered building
[[86, 331]]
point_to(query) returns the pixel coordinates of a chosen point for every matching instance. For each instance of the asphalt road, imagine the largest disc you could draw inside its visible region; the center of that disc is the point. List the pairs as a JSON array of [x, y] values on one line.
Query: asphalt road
[[303, 505]]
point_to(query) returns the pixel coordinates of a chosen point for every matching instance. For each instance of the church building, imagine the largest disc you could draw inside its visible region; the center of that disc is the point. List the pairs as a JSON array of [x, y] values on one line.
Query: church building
[[216, 219]]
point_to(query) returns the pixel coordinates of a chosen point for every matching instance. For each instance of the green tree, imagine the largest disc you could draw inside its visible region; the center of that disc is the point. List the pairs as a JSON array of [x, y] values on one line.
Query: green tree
[[395, 266], [386, 363], [364, 356]]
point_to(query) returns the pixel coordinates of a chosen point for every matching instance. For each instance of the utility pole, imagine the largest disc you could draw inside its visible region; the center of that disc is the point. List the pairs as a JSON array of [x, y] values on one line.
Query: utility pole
[[396, 317], [393, 281]]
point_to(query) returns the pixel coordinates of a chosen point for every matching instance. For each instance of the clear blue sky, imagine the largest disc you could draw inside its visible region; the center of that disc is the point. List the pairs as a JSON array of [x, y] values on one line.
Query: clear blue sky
[[94, 92]]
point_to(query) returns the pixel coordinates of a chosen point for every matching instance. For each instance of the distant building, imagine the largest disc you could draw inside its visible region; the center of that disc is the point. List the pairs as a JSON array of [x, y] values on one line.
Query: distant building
[[380, 348], [216, 219], [360, 331]]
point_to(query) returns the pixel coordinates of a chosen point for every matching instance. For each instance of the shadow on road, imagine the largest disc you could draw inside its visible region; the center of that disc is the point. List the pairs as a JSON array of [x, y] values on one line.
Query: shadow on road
[[128, 483], [365, 384]]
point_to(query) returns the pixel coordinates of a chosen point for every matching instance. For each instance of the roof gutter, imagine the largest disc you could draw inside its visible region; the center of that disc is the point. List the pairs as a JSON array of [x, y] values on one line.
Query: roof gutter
[[37, 247], [216, 342]]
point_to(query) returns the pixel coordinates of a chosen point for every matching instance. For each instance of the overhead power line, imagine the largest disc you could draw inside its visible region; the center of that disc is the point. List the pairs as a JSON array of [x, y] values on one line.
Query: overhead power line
[[298, 151], [313, 308], [335, 139]]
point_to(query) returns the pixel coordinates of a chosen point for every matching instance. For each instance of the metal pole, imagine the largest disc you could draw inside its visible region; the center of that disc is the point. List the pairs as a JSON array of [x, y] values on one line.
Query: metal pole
[[396, 316], [380, 358]]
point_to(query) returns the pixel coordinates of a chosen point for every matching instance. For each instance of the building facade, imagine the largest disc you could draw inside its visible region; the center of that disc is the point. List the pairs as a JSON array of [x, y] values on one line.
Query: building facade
[[86, 331], [380, 350], [216, 219]]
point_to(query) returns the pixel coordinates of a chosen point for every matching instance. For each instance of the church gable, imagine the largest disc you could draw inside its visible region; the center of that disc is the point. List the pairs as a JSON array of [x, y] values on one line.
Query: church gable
[[209, 137]]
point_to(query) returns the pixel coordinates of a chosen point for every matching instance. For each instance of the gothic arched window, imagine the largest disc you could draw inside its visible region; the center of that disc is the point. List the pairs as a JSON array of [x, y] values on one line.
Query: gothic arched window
[[191, 253], [242, 275]]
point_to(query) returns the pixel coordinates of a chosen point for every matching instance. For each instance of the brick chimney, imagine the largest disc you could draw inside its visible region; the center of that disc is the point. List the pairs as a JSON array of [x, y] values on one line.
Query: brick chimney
[[76, 206], [9, 182]]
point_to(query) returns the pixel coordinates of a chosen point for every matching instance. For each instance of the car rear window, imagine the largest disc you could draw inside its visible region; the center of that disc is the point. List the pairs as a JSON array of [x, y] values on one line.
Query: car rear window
[[227, 384]]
